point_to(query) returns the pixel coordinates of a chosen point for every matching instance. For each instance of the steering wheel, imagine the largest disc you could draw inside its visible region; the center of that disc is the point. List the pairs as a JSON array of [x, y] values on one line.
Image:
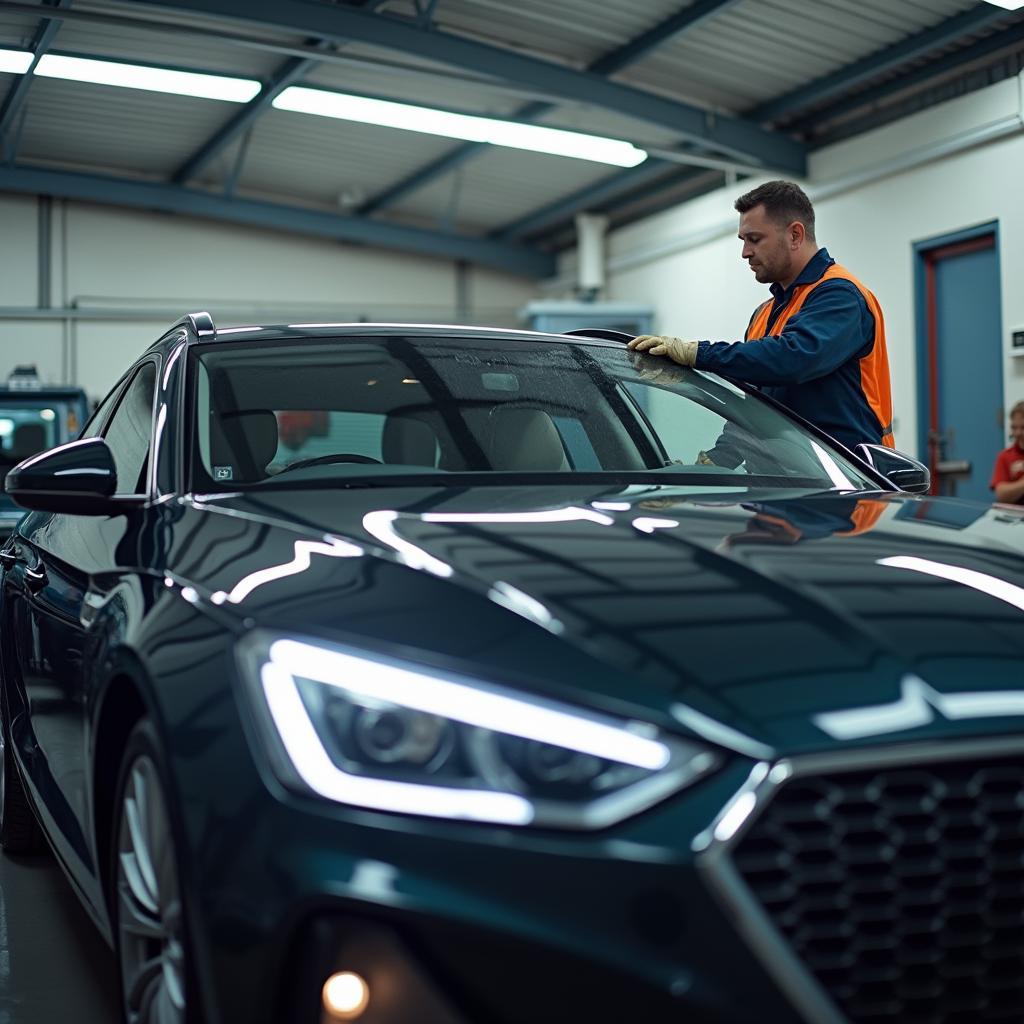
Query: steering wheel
[[323, 460]]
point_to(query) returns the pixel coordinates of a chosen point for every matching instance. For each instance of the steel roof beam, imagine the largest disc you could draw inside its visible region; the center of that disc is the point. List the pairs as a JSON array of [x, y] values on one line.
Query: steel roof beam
[[682, 21], [606, 65], [143, 195], [727, 135], [949, 31], [1009, 37], [288, 73], [45, 35], [584, 199], [624, 181]]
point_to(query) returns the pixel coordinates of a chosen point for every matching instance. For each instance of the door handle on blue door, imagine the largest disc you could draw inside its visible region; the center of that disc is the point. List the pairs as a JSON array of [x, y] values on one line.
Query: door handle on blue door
[[35, 578]]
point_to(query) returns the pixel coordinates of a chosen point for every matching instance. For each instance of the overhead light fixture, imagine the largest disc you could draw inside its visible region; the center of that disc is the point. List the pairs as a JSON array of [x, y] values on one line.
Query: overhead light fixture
[[471, 127], [138, 76], [15, 62], [1007, 5]]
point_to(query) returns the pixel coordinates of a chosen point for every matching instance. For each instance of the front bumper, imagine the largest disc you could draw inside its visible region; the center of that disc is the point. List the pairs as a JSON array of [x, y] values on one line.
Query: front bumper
[[463, 924]]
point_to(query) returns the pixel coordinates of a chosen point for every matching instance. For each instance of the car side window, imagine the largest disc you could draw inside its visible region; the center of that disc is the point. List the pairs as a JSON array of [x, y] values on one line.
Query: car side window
[[102, 412], [684, 427], [128, 433]]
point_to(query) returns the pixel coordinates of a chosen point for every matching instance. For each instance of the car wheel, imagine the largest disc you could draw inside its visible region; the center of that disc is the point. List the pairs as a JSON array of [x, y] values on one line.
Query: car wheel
[[149, 919], [19, 830]]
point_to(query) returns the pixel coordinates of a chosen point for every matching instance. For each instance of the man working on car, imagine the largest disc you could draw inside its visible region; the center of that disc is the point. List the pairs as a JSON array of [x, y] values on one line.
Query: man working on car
[[818, 343]]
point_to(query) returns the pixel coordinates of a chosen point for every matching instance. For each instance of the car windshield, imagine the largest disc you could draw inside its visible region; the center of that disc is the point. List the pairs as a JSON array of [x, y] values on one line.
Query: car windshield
[[32, 424], [373, 409]]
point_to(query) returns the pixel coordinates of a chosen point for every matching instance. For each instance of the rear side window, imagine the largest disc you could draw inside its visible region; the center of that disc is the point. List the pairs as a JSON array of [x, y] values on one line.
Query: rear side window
[[99, 417], [128, 432]]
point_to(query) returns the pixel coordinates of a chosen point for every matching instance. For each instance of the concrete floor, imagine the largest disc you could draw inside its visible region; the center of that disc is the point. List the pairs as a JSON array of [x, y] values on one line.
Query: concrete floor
[[54, 965]]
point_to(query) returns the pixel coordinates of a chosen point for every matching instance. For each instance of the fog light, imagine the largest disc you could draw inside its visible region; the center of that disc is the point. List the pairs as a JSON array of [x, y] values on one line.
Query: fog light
[[345, 995]]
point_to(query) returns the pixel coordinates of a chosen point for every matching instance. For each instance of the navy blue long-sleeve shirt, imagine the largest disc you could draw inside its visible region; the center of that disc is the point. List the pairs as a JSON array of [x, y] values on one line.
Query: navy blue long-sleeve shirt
[[813, 366]]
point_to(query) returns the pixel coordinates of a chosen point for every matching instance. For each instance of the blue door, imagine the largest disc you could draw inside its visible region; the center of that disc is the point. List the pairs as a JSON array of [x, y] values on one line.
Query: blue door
[[965, 365]]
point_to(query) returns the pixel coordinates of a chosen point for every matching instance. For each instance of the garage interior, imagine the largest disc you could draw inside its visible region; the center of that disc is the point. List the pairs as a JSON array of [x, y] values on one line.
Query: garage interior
[[126, 202]]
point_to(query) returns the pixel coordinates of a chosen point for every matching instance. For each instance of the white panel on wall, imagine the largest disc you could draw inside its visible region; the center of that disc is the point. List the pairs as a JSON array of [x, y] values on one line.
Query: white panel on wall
[[32, 341], [105, 350], [19, 279], [162, 257], [163, 266]]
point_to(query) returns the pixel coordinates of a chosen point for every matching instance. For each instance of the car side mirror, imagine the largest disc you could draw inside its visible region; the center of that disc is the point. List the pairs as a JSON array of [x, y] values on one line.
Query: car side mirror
[[906, 473], [78, 477]]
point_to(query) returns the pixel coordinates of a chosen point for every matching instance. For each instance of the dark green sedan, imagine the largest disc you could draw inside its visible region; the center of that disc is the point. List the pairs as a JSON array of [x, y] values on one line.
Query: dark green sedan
[[444, 675]]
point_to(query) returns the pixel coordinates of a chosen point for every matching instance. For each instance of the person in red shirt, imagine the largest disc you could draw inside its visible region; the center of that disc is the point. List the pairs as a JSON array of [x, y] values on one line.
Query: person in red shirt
[[1008, 475]]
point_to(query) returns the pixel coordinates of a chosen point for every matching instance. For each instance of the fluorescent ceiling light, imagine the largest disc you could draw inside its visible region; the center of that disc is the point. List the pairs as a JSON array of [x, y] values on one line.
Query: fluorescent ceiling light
[[136, 76], [1009, 5], [536, 138], [15, 62]]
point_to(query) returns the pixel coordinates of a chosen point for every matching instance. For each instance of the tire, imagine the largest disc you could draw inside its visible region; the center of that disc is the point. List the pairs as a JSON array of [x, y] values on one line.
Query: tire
[[19, 830], [147, 911]]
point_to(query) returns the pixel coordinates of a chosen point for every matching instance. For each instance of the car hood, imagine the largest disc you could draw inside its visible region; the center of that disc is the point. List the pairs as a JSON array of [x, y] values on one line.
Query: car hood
[[786, 621]]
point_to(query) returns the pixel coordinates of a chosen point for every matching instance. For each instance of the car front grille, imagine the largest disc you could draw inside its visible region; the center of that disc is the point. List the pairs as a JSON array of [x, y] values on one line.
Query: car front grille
[[900, 889]]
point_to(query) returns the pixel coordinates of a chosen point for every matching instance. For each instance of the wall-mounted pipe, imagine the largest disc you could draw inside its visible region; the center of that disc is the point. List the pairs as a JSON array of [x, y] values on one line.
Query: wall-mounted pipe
[[44, 250]]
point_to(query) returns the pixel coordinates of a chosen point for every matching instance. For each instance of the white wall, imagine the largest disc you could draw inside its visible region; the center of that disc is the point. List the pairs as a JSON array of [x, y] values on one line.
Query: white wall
[[874, 197], [138, 272]]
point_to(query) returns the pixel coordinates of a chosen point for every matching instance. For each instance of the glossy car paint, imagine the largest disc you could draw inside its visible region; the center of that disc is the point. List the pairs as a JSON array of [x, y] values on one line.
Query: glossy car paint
[[738, 623]]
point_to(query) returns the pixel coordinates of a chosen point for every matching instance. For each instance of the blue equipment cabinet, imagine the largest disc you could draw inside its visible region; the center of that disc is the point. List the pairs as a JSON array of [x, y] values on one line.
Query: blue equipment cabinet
[[557, 317]]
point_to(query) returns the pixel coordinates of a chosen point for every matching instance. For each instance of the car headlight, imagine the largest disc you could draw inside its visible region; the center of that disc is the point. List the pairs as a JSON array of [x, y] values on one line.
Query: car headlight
[[370, 731]]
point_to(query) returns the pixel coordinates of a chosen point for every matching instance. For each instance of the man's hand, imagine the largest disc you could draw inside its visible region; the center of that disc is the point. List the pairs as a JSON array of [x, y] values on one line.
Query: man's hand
[[682, 352]]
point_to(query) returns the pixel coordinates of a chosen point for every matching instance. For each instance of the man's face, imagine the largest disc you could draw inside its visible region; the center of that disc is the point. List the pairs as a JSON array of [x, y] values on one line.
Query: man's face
[[765, 246], [1017, 430]]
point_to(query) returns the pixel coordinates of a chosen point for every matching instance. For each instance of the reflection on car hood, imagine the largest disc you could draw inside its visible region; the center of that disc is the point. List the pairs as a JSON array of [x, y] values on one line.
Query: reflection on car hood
[[761, 615]]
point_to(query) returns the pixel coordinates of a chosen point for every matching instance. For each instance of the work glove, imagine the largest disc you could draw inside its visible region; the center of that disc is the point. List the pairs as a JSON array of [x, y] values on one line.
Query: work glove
[[682, 352]]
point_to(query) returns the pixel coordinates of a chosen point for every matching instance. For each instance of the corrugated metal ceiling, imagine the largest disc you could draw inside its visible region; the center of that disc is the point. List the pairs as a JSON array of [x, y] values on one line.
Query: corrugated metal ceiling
[[757, 51], [739, 57], [499, 187]]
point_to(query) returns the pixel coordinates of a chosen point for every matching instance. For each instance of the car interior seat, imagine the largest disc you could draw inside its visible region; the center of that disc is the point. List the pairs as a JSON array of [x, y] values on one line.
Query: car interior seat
[[407, 440], [242, 444], [523, 439]]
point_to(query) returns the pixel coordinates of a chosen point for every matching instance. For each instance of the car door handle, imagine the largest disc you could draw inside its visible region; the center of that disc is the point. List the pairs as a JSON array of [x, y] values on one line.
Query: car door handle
[[35, 578]]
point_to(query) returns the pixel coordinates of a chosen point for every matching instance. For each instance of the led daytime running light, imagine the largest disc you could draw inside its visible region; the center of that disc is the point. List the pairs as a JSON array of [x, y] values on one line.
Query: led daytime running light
[[468, 704]]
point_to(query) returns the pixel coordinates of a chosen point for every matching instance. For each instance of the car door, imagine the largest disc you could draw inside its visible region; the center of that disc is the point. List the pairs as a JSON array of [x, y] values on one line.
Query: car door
[[65, 567]]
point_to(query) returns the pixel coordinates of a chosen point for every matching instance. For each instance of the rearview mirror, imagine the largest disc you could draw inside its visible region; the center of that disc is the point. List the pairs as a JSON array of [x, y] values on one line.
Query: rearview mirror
[[77, 477], [906, 473]]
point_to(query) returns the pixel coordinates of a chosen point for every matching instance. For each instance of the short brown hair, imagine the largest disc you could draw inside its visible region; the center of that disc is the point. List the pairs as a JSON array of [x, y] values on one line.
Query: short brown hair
[[783, 201], [1017, 410]]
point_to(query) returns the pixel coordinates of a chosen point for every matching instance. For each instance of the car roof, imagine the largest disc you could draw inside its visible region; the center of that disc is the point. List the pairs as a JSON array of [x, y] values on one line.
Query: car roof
[[362, 330], [206, 332]]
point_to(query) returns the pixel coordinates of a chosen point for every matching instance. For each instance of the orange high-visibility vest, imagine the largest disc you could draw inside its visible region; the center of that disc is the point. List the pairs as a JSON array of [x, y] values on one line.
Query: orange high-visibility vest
[[874, 367]]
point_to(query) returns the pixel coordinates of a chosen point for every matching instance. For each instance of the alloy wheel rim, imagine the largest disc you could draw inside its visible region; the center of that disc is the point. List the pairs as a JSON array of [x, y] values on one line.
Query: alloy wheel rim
[[150, 921]]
